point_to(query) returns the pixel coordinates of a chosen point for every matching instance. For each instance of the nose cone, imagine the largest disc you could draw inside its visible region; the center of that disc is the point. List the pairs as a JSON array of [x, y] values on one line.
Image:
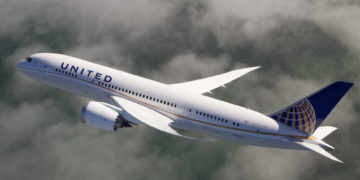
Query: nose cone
[[22, 65]]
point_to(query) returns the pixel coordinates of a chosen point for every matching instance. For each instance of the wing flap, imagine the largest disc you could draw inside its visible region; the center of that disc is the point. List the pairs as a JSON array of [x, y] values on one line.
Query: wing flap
[[149, 117], [204, 85]]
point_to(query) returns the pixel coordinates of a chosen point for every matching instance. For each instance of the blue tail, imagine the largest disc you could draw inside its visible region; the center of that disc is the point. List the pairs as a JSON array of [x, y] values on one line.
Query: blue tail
[[308, 113]]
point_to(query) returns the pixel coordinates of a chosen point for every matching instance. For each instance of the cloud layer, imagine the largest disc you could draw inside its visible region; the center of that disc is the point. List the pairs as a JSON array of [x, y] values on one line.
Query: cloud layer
[[301, 46]]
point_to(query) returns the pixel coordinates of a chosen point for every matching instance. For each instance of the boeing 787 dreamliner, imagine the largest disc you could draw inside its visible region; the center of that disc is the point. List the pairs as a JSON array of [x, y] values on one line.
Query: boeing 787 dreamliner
[[124, 100]]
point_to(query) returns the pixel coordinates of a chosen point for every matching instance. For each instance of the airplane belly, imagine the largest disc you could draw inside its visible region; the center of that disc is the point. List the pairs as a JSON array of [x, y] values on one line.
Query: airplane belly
[[235, 136], [256, 140], [259, 141], [197, 127]]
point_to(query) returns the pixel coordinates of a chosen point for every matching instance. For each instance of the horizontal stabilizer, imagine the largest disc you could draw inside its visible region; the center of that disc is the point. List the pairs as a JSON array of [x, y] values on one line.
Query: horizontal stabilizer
[[316, 148], [204, 85], [150, 117], [323, 131]]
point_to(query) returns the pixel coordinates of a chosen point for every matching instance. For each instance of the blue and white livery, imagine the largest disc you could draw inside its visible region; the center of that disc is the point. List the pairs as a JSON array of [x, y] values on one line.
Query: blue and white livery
[[124, 100]]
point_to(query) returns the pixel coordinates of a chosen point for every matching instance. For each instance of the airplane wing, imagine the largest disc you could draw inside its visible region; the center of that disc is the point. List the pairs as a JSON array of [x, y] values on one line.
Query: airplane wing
[[204, 85], [316, 148], [149, 117]]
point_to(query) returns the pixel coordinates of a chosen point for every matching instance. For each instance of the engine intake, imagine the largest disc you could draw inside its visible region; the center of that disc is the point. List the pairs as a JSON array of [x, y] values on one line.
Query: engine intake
[[103, 116]]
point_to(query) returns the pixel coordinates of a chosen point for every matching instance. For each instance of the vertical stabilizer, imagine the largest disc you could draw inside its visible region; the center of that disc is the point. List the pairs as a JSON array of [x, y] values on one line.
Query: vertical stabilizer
[[308, 113]]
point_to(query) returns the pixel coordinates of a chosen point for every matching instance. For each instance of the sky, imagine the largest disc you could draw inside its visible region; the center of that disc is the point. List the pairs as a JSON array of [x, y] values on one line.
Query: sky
[[301, 45]]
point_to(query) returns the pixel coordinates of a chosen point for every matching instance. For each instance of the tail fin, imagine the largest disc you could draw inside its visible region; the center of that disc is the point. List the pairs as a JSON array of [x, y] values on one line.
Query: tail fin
[[308, 113]]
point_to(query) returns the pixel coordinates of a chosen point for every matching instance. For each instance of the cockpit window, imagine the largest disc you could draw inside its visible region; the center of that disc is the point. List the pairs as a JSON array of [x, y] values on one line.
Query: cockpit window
[[28, 59]]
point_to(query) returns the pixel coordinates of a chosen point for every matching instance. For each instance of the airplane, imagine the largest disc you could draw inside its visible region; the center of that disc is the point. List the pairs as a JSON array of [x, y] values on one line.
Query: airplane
[[123, 100]]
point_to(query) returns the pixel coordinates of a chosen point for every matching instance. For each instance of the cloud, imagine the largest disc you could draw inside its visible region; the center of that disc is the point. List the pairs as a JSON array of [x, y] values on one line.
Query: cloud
[[105, 53], [92, 17], [301, 46], [253, 20], [266, 163], [187, 67]]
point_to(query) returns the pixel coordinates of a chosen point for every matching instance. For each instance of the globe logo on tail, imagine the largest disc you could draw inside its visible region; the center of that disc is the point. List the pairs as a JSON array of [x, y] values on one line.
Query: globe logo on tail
[[300, 116]]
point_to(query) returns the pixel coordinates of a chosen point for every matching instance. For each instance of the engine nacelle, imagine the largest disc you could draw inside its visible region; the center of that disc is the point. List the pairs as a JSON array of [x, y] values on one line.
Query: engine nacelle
[[103, 116]]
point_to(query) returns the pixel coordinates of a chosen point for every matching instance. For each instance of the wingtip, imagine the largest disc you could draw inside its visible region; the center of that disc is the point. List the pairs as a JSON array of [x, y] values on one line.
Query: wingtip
[[248, 68], [253, 68], [338, 160], [257, 67]]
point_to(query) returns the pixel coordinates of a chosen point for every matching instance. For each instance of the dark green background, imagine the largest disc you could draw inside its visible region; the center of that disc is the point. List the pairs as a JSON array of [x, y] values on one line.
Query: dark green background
[[301, 46]]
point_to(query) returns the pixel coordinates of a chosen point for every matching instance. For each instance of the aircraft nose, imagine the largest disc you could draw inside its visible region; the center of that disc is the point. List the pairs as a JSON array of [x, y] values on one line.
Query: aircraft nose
[[21, 65]]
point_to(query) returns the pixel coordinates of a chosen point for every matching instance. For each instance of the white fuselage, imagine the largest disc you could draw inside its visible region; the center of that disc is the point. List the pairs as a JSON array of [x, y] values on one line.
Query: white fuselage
[[189, 111]]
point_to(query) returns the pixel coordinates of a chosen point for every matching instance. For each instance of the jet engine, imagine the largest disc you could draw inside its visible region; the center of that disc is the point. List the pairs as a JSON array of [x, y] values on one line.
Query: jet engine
[[103, 116]]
